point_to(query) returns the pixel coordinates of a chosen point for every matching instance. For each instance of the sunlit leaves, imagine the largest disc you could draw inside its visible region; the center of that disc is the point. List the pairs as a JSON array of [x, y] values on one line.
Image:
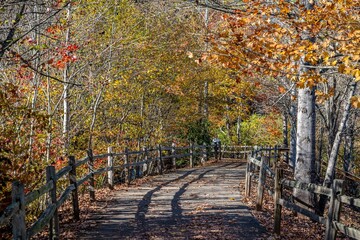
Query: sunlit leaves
[[270, 38]]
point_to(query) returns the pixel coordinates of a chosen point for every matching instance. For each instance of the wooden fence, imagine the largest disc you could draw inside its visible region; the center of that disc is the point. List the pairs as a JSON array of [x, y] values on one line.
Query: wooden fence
[[259, 168], [133, 164]]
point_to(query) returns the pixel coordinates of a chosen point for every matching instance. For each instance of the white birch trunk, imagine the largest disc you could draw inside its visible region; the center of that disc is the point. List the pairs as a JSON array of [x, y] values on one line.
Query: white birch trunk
[[293, 112], [330, 171], [66, 107], [305, 143]]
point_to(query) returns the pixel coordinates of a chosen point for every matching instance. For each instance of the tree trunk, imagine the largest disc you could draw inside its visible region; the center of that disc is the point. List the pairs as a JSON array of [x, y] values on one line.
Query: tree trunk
[[96, 105], [305, 144], [349, 144], [66, 107], [293, 116], [238, 130], [330, 171]]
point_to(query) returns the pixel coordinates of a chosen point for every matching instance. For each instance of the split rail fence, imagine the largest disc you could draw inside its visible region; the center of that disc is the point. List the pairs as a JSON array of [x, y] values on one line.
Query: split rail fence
[[131, 165], [263, 164]]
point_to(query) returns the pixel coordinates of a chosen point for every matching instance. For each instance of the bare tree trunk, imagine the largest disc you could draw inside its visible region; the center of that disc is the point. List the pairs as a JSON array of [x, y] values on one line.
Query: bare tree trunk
[[306, 125], [66, 107], [293, 116], [238, 130], [349, 143], [330, 171], [285, 130], [92, 125], [305, 144], [35, 84]]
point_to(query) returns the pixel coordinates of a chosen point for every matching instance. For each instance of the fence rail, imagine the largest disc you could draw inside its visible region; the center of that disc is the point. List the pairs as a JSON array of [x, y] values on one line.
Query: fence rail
[[15, 213], [259, 168]]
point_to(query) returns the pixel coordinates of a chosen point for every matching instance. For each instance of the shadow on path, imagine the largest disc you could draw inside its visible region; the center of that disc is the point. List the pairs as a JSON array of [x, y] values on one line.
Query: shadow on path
[[171, 206], [143, 205]]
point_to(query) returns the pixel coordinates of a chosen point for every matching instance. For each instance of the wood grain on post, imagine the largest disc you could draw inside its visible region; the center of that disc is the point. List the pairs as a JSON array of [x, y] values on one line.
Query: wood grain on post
[[145, 165], [54, 222], [202, 160], [191, 150], [91, 172], [127, 168], [110, 172], [161, 163], [74, 193], [207, 152], [173, 152], [18, 220], [277, 197], [334, 209], [220, 151], [248, 177], [261, 183]]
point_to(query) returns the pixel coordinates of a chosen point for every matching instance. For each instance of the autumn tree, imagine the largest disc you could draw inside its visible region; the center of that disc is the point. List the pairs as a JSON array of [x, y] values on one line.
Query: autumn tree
[[304, 41]]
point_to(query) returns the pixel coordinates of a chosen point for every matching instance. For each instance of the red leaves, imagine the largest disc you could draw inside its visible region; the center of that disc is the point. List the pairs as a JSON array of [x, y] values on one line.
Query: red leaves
[[64, 55]]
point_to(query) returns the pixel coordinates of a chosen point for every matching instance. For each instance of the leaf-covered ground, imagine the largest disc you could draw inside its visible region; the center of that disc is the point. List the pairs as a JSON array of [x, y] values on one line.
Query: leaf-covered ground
[[293, 225]]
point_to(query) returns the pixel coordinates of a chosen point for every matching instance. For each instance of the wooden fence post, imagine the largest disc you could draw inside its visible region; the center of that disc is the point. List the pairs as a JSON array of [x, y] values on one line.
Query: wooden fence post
[[220, 151], [216, 152], [207, 154], [126, 167], [261, 183], [277, 196], [276, 154], [110, 172], [54, 222], [74, 193], [202, 152], [191, 150], [18, 220], [161, 164], [334, 209], [145, 165], [248, 176], [91, 172], [173, 152]]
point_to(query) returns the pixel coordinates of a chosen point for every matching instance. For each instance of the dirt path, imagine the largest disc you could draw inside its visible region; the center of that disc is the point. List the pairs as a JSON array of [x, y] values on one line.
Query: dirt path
[[199, 203]]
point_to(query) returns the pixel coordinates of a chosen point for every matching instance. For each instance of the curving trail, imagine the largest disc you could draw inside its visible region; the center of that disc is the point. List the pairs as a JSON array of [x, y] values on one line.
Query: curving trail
[[199, 203]]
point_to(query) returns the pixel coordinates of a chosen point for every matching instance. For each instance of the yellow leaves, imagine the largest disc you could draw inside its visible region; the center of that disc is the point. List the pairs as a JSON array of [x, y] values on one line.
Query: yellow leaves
[[341, 68], [189, 54], [355, 101], [300, 84], [311, 58], [281, 89], [323, 96], [356, 74], [309, 81]]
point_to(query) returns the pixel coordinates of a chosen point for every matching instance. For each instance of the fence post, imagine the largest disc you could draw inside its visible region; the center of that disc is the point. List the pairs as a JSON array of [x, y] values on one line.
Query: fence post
[[334, 209], [173, 152], [261, 183], [91, 172], [54, 222], [145, 165], [277, 196], [220, 151], [202, 152], [110, 172], [161, 164], [126, 166], [191, 150], [207, 152], [18, 220], [74, 193], [216, 152], [248, 176]]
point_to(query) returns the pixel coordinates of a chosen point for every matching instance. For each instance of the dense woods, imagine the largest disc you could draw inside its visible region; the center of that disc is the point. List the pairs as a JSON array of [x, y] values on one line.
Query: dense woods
[[78, 75]]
